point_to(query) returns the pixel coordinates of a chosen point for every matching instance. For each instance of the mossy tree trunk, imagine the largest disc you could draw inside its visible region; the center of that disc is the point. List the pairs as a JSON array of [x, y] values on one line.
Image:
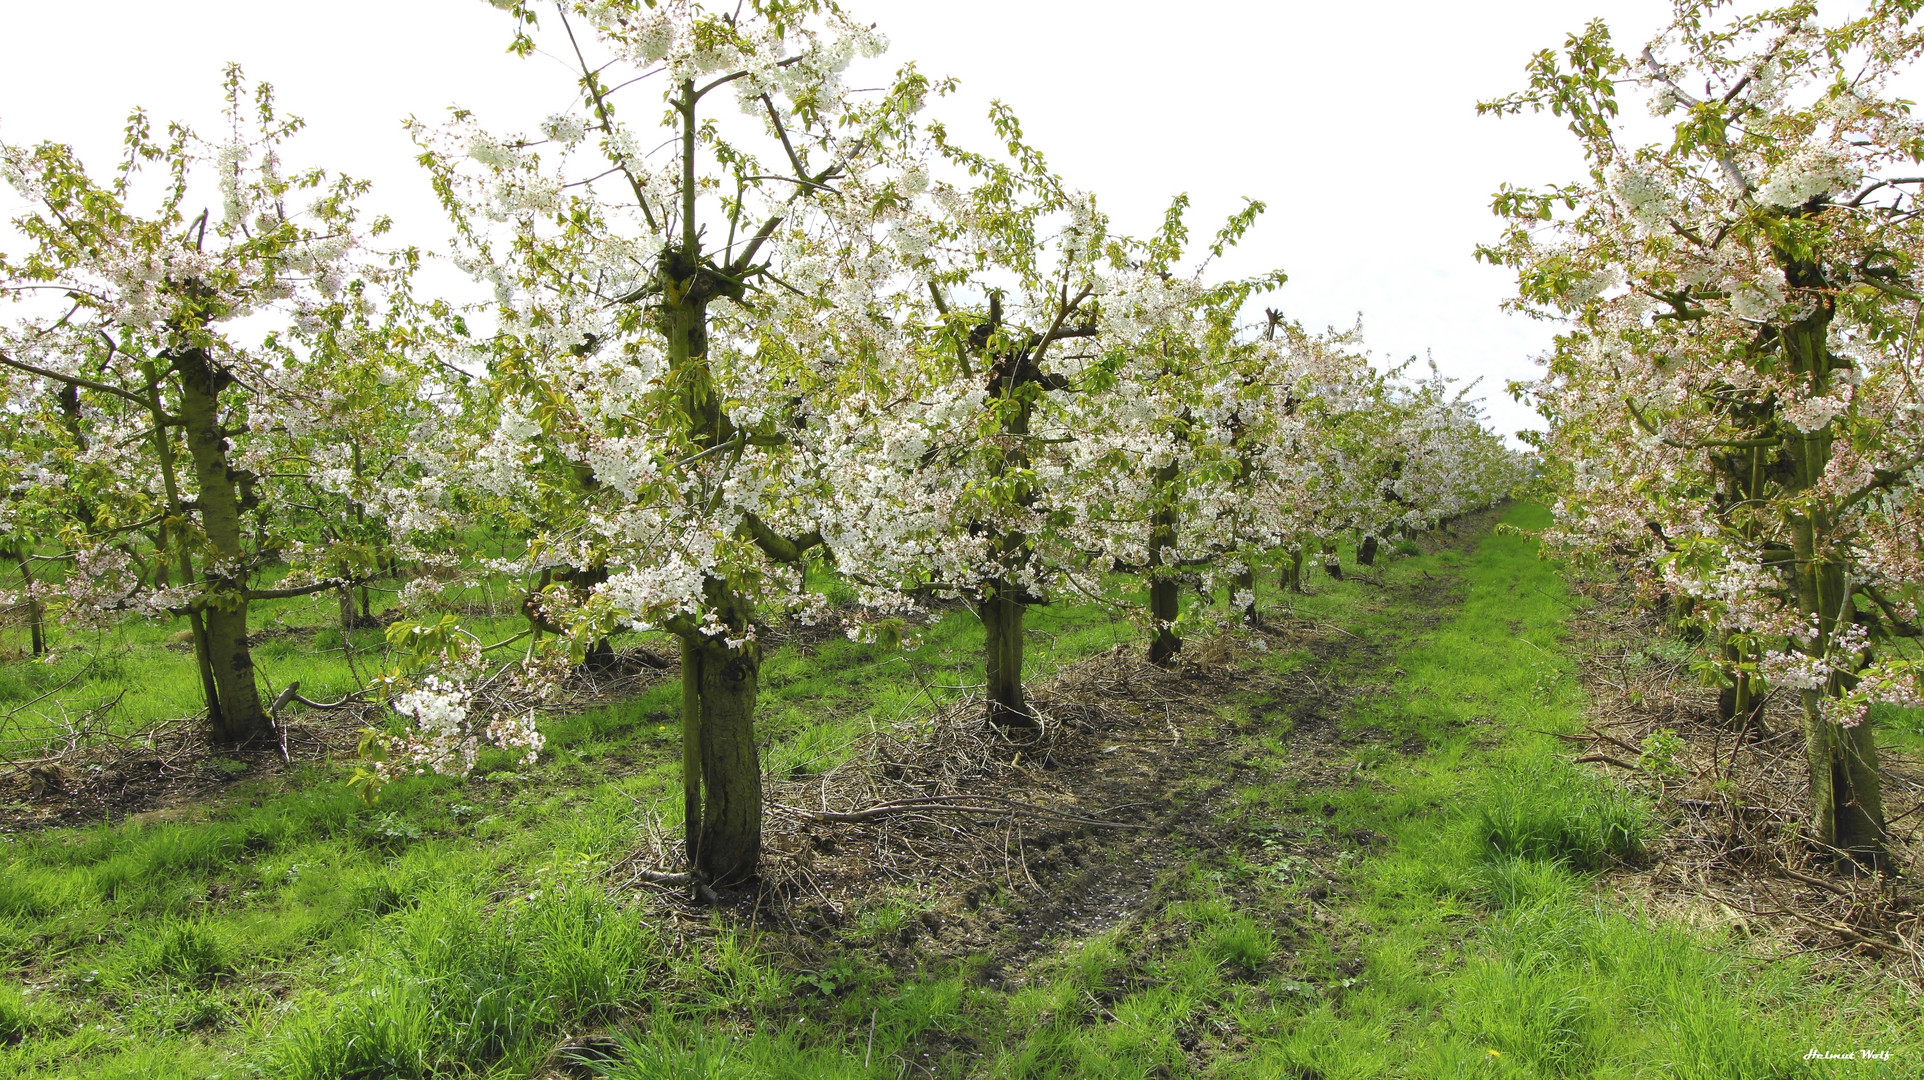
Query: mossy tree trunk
[[235, 714], [1002, 613], [1847, 806], [1292, 574], [721, 765]]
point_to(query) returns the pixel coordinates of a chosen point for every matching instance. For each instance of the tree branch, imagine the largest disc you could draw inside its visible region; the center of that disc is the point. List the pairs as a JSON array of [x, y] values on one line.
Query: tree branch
[[160, 417], [592, 83], [304, 590], [775, 545]]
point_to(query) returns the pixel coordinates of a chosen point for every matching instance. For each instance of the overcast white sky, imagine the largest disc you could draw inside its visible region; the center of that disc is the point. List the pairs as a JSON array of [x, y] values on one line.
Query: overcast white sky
[[1354, 121]]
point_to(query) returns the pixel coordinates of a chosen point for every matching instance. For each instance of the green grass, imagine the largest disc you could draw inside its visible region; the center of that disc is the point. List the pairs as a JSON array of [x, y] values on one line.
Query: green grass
[[1438, 911], [1490, 949], [450, 929], [137, 672]]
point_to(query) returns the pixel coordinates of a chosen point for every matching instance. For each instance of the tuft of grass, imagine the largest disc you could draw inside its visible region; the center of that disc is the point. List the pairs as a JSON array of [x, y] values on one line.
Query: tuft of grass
[[1546, 809], [29, 892], [21, 1018], [466, 987], [387, 1031], [666, 1053], [1240, 941], [191, 951]]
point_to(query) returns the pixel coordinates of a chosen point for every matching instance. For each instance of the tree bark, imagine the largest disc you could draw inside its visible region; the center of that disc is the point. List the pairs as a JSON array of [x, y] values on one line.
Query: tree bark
[[1165, 602], [235, 714], [727, 827], [1847, 806], [691, 746], [1002, 612], [36, 634], [1293, 571], [601, 657], [1366, 551]]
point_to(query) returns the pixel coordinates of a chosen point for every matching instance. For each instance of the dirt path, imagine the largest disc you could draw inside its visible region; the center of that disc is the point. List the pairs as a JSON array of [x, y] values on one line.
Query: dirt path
[[1165, 753]]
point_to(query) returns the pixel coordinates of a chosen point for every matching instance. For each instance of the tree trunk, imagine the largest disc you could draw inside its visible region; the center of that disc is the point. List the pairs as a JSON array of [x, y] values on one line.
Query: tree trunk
[[204, 664], [161, 551], [691, 746], [1165, 602], [601, 657], [721, 768], [239, 717], [1245, 582], [35, 633], [726, 826], [1002, 611], [1847, 804], [1293, 572], [1847, 800], [1164, 607], [235, 714], [1366, 551]]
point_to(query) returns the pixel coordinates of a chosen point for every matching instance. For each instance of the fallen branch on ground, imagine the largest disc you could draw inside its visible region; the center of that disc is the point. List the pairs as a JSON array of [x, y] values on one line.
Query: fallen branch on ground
[[961, 804]]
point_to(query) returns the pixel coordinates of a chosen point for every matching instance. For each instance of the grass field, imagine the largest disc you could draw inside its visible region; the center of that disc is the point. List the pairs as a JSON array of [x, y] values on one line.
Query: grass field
[[1390, 871]]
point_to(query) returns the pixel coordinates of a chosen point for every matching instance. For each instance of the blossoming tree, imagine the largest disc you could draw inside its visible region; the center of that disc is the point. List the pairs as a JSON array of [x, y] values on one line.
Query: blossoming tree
[[1733, 403], [138, 362], [685, 264], [1173, 417], [973, 462]]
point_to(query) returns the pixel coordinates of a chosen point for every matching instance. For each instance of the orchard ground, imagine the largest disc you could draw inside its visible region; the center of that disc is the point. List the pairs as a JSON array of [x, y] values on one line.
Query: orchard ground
[[1361, 851]]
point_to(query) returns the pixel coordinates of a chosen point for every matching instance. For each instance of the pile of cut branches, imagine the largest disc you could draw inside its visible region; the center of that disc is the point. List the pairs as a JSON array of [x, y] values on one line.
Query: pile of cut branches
[[1734, 796], [946, 802]]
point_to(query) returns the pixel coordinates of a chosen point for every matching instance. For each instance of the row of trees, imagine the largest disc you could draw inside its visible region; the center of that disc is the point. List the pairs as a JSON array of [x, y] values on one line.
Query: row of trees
[[746, 323], [1734, 405]]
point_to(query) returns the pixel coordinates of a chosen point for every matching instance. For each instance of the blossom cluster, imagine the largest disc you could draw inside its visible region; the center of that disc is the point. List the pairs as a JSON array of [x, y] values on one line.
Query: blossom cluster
[[1734, 411]]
